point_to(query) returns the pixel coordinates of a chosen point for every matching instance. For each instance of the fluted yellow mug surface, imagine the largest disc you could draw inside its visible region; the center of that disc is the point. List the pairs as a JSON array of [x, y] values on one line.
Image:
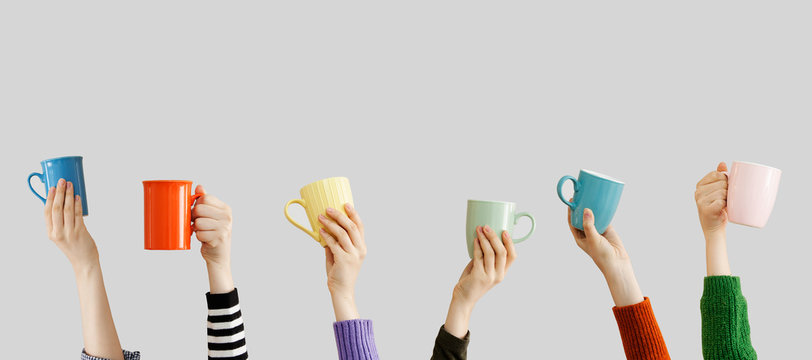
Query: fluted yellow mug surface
[[316, 198]]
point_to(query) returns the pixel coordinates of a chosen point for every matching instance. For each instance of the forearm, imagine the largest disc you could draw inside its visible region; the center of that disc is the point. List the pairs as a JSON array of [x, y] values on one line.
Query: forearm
[[458, 318], [98, 329], [220, 280], [344, 306], [716, 253], [623, 284]]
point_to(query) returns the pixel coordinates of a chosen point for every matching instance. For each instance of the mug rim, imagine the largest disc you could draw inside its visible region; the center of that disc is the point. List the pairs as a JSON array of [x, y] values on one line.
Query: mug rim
[[325, 179], [490, 202], [754, 164], [62, 158], [602, 176], [166, 181]]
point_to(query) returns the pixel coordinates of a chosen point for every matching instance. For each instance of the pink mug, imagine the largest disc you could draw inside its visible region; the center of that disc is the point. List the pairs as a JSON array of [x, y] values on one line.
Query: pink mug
[[751, 192]]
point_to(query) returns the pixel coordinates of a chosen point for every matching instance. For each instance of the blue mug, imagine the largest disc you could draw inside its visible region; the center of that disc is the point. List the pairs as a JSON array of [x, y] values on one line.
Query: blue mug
[[66, 167], [597, 192]]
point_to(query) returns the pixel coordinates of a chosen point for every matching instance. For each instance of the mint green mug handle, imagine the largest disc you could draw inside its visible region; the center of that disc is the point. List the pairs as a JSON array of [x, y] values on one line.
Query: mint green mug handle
[[532, 226]]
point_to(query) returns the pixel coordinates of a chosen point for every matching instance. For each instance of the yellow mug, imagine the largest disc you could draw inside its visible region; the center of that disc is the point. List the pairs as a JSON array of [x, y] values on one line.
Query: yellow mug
[[316, 198]]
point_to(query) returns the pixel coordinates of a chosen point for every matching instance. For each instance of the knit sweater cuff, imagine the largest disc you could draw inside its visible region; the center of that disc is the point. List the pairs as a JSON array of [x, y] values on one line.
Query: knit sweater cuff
[[452, 343], [722, 286], [355, 340], [640, 332]]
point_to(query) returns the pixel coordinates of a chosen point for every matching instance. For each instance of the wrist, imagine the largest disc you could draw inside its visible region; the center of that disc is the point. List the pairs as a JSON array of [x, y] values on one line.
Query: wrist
[[344, 306], [623, 285], [459, 316], [220, 279], [85, 267], [714, 235], [461, 304]]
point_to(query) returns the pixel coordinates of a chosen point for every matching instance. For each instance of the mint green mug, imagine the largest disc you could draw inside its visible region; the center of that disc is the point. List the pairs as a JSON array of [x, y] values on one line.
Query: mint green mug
[[499, 215]]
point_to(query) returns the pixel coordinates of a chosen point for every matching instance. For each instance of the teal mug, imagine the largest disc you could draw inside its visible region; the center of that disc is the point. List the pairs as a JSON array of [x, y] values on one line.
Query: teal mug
[[597, 192], [500, 216], [69, 168]]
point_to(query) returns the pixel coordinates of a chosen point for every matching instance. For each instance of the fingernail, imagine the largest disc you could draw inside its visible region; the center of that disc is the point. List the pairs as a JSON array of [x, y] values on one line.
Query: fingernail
[[61, 182], [77, 197], [487, 228], [349, 206], [322, 231], [70, 185], [330, 210], [587, 214], [321, 217]]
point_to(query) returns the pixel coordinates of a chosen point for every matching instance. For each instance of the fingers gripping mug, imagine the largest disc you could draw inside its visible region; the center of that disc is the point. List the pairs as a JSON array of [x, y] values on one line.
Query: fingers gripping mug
[[751, 192], [597, 192], [500, 216], [67, 167], [316, 198], [168, 214]]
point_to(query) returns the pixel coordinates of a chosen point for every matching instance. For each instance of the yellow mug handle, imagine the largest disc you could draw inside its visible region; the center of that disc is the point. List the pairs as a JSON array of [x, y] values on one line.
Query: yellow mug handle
[[296, 224]]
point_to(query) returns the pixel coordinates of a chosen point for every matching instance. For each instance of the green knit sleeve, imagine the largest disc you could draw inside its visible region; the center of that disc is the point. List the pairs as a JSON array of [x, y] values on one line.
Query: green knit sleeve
[[725, 327]]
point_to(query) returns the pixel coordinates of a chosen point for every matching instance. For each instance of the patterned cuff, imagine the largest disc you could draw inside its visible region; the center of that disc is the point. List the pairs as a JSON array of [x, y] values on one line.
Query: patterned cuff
[[128, 355], [225, 330]]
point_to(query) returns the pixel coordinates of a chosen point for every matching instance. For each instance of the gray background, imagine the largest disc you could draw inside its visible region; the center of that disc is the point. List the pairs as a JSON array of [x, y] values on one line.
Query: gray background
[[423, 105]]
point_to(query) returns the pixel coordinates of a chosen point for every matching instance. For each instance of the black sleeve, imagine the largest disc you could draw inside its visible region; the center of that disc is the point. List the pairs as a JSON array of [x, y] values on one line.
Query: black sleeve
[[450, 347]]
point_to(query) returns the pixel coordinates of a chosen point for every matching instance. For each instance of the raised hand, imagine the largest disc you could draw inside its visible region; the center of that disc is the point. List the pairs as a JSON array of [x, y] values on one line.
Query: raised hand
[[608, 253], [66, 226], [344, 255], [711, 199], [212, 226], [492, 258]]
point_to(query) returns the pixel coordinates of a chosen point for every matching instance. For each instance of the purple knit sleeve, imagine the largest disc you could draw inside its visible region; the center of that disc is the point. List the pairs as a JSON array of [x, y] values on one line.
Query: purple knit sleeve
[[355, 340]]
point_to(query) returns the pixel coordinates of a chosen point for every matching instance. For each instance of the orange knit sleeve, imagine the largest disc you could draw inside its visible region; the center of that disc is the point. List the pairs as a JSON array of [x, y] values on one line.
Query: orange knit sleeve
[[642, 339]]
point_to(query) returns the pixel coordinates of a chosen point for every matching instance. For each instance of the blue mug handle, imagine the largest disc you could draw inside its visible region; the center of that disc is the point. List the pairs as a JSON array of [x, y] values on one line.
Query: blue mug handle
[[32, 188], [575, 187]]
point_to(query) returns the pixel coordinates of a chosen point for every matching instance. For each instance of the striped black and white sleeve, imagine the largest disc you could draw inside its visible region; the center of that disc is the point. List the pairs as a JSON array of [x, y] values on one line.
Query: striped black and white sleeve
[[226, 332]]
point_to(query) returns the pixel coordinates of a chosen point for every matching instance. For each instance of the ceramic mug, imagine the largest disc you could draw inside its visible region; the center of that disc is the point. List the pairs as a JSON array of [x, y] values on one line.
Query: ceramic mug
[[751, 193], [316, 198], [597, 192], [168, 214], [500, 216], [67, 167]]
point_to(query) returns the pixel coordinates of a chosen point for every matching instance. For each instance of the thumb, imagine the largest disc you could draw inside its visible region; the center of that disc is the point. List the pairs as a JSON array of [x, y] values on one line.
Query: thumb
[[589, 225], [721, 167], [200, 190]]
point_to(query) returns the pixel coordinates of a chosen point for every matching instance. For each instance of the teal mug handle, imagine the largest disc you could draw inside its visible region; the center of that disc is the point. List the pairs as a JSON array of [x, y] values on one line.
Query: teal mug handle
[[32, 188], [575, 187], [532, 226]]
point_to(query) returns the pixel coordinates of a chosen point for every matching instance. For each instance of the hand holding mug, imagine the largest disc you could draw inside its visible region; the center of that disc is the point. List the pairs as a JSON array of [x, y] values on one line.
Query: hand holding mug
[[66, 226], [212, 227], [492, 258], [711, 199], [344, 255], [610, 256]]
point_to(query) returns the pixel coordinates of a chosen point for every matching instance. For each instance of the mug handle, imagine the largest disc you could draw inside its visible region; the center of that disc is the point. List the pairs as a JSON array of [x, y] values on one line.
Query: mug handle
[[532, 226], [296, 224], [32, 188], [575, 187]]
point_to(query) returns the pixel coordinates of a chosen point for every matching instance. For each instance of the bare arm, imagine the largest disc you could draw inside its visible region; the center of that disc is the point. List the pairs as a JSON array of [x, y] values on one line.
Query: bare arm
[[66, 228]]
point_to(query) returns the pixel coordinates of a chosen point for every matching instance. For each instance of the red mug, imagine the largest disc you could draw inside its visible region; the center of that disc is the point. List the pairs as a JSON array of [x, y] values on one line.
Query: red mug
[[168, 214]]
